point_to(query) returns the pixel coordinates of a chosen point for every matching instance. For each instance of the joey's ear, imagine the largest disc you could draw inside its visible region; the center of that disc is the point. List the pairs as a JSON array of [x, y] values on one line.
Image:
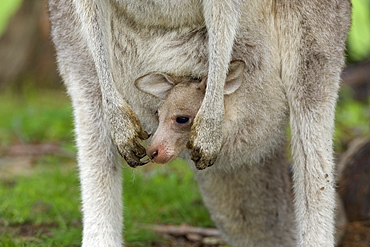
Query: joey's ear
[[234, 77], [156, 84], [203, 84]]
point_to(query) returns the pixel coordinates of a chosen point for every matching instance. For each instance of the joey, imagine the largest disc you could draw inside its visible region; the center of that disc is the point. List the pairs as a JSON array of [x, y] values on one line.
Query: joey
[[182, 98]]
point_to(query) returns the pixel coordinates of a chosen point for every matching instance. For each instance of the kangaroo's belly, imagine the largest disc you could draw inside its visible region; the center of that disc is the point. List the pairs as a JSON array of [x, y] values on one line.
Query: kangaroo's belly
[[163, 13], [255, 123], [255, 115]]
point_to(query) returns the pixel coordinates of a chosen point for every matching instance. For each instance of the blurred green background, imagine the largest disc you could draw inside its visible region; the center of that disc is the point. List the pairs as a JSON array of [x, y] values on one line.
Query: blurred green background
[[39, 189]]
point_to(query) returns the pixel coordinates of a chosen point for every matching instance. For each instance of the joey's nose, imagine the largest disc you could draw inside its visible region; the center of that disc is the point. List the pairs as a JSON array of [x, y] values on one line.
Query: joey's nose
[[154, 154], [159, 154]]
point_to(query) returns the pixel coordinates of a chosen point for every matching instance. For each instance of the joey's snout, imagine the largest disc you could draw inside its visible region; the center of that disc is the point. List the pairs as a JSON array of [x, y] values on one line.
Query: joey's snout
[[160, 153], [153, 154], [166, 144]]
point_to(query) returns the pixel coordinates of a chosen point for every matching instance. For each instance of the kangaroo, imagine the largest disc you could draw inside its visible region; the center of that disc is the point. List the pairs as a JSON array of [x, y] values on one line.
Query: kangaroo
[[293, 54]]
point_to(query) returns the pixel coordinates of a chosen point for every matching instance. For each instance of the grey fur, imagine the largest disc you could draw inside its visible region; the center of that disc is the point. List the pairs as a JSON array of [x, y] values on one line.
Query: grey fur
[[293, 51]]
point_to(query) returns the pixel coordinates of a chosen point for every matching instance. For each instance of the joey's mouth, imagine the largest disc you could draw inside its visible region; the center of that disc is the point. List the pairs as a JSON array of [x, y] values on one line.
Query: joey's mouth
[[157, 160], [163, 160]]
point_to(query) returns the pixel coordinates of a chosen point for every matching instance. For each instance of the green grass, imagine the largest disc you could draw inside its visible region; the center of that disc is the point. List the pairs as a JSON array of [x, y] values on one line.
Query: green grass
[[359, 35], [48, 200], [35, 116], [162, 195]]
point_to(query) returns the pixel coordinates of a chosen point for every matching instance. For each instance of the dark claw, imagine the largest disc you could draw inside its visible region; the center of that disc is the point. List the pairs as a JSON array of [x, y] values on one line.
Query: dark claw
[[138, 150], [142, 163], [134, 152], [133, 162], [140, 155], [201, 163]]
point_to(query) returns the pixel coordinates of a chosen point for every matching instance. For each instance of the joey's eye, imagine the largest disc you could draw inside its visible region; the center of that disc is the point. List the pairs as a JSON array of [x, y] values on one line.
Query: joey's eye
[[156, 113], [182, 120]]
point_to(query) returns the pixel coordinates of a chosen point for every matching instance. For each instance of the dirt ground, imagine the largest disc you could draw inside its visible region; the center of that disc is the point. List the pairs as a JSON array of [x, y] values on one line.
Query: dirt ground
[[357, 235]]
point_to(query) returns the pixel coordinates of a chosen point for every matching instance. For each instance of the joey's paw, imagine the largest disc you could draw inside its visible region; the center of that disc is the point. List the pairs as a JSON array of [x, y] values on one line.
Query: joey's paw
[[205, 142]]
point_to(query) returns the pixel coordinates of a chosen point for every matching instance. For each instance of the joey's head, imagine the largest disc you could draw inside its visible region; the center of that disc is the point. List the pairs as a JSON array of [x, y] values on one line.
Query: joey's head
[[182, 98]]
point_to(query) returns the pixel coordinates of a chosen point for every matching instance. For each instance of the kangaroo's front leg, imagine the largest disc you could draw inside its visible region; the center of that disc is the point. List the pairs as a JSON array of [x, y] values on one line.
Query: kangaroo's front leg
[[124, 124], [206, 136], [126, 130]]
